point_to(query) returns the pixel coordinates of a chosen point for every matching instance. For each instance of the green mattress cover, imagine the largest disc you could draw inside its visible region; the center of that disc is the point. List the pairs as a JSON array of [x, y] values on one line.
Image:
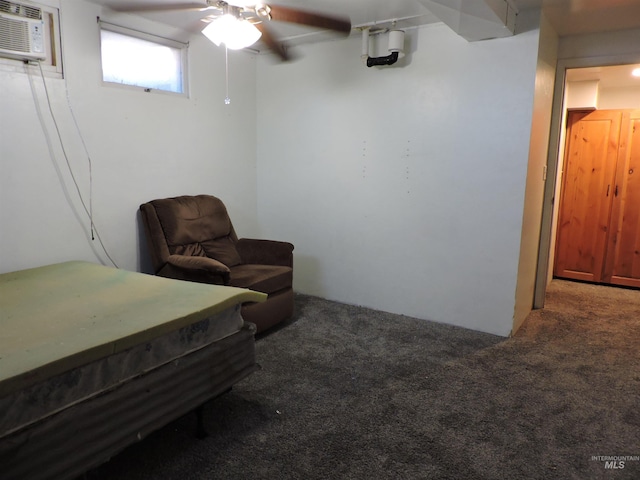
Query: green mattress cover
[[58, 317]]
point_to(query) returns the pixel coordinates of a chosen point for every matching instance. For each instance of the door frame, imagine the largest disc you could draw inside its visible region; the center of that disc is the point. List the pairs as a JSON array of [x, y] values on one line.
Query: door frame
[[549, 205]]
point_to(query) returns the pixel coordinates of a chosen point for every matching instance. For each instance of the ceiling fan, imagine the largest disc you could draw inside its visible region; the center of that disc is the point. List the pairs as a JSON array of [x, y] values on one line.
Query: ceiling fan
[[240, 23]]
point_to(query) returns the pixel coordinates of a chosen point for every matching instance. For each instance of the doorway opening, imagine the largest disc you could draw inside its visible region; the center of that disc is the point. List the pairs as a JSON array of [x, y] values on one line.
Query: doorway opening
[[584, 90]]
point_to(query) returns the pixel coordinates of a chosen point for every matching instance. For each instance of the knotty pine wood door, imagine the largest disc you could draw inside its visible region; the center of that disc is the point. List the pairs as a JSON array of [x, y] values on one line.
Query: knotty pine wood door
[[599, 218], [590, 166], [623, 252]]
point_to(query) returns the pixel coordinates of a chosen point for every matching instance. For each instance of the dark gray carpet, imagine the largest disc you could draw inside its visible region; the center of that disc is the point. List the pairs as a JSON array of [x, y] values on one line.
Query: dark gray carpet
[[350, 393]]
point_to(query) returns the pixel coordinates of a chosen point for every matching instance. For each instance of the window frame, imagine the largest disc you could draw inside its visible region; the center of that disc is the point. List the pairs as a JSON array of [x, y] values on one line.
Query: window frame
[[149, 37]]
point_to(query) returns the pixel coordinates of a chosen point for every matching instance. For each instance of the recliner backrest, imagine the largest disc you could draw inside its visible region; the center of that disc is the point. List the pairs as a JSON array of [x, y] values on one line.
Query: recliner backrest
[[196, 226]]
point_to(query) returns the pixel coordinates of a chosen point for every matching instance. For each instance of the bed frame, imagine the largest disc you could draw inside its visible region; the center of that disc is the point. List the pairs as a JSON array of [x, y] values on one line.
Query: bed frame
[[93, 359]]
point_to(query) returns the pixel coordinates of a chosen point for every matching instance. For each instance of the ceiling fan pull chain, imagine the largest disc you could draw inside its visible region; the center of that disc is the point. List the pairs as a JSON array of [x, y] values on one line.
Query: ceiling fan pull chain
[[227, 100]]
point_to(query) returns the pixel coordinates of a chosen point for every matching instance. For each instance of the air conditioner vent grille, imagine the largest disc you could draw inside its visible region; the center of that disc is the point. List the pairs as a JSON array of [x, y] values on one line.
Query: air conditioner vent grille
[[20, 10], [14, 35]]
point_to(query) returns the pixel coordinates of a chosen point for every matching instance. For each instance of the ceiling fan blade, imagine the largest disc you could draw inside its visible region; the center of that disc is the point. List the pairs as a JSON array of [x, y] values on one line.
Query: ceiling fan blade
[[156, 7], [292, 15], [270, 41]]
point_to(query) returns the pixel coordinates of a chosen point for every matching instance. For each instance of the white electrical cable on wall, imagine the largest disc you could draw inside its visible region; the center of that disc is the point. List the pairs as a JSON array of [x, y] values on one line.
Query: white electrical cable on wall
[[88, 211]]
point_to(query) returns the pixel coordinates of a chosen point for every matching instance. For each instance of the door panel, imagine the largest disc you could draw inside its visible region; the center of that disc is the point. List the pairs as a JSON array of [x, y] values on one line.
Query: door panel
[[585, 208], [623, 260]]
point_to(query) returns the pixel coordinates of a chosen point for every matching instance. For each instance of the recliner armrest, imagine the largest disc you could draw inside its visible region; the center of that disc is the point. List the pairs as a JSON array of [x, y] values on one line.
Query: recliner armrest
[[265, 252], [199, 269]]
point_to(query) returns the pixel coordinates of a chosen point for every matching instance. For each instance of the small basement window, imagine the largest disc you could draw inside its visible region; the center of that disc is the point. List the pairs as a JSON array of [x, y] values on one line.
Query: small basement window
[[142, 60]]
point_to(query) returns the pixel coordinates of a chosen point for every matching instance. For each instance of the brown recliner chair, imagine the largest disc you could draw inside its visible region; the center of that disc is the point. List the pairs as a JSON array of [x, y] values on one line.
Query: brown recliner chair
[[192, 238]]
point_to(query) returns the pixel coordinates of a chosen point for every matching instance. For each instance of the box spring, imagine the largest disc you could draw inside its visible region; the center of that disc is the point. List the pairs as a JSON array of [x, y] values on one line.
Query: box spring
[[88, 432]]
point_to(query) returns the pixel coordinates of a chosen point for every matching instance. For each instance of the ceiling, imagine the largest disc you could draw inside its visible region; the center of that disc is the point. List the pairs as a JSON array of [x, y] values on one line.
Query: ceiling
[[568, 17], [617, 76], [574, 17]]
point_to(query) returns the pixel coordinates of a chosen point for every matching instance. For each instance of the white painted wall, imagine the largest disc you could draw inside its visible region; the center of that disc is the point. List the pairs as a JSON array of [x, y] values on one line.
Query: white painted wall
[[590, 95], [582, 95], [143, 146], [619, 98], [402, 188], [537, 175], [608, 48]]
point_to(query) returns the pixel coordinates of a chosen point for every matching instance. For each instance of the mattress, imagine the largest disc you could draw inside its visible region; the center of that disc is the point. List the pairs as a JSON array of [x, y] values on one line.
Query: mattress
[[61, 316]]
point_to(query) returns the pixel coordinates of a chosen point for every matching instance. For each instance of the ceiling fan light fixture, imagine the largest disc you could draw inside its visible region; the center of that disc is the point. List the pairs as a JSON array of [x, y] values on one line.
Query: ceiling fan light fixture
[[236, 33]]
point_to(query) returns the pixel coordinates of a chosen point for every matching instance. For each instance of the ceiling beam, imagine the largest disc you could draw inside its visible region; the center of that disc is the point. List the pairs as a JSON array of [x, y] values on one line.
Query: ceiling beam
[[475, 19]]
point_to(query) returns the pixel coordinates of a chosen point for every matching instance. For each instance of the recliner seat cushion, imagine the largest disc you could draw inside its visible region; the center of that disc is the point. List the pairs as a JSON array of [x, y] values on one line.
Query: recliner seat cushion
[[263, 278]]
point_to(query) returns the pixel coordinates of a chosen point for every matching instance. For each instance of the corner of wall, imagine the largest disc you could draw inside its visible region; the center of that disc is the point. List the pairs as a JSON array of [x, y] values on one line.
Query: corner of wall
[[536, 173]]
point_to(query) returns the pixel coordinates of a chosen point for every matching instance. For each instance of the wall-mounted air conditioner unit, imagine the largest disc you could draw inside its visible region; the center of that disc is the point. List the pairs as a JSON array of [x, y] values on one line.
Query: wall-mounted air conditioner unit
[[22, 34]]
